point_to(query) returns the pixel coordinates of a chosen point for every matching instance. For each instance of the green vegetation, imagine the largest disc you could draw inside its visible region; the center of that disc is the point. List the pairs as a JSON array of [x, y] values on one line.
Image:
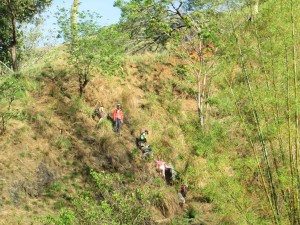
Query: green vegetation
[[117, 205], [11, 89], [14, 13], [215, 83]]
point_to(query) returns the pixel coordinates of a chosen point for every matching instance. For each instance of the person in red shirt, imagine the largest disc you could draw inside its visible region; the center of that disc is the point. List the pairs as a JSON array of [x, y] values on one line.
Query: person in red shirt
[[118, 118]]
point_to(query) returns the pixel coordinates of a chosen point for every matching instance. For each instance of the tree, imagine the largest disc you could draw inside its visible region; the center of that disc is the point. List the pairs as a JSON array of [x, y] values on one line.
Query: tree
[[151, 23], [33, 37], [155, 23], [93, 44], [13, 13]]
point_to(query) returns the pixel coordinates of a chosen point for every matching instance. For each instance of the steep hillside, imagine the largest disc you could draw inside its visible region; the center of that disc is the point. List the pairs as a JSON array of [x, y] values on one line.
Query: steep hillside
[[220, 101], [50, 148]]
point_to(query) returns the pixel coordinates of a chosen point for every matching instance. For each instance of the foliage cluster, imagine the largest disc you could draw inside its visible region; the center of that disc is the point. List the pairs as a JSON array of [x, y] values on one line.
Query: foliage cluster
[[109, 202], [93, 46], [258, 64], [11, 89], [14, 13]]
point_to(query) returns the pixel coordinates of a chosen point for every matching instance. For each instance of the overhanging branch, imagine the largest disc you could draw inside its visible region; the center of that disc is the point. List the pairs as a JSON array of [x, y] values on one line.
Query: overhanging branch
[[2, 63]]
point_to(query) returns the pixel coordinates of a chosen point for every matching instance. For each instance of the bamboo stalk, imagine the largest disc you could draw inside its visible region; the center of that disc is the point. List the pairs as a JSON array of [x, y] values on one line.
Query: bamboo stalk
[[237, 204], [276, 113], [277, 107], [274, 206], [296, 111], [289, 132], [255, 153], [274, 158]]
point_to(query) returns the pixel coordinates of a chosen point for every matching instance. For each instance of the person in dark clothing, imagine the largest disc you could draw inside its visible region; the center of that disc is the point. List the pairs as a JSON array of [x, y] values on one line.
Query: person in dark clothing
[[170, 174]]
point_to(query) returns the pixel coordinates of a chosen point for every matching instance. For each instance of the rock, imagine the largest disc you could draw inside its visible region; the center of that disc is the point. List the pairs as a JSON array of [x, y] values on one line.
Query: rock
[[15, 191], [31, 189], [45, 177]]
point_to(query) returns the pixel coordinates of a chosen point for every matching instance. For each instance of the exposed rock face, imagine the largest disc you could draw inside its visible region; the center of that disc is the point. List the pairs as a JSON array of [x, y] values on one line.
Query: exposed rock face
[[45, 177], [15, 192]]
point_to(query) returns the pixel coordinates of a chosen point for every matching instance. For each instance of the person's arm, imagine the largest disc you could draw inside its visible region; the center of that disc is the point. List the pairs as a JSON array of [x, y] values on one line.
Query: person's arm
[[122, 116], [115, 115]]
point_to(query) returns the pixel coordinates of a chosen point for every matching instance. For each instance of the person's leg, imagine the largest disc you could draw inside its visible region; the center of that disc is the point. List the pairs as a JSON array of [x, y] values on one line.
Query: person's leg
[[116, 126], [181, 198], [163, 173], [119, 125]]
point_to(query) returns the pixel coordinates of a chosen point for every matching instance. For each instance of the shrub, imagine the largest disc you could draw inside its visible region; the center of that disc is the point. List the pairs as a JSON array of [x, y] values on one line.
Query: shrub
[[181, 70], [108, 203], [66, 217], [63, 143]]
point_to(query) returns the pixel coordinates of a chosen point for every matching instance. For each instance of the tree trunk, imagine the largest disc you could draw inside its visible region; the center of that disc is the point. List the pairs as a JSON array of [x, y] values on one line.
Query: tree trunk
[[200, 89], [200, 100], [83, 81], [254, 10], [203, 97], [255, 7], [13, 52], [13, 47], [74, 12], [3, 125]]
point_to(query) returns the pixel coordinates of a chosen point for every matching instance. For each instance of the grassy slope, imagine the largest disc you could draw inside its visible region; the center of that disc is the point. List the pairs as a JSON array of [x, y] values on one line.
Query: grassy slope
[[46, 152]]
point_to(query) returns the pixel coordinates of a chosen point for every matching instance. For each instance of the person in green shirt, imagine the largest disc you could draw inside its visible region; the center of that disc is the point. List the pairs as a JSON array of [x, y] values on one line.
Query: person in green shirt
[[143, 140]]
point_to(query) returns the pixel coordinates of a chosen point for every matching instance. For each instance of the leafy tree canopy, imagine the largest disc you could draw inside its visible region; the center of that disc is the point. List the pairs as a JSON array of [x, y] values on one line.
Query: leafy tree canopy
[[12, 14], [155, 22]]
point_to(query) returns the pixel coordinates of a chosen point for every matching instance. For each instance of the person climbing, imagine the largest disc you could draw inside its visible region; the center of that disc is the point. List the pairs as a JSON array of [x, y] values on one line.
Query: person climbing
[[183, 189], [160, 167], [142, 139], [100, 113], [147, 151], [118, 118], [182, 194], [170, 174]]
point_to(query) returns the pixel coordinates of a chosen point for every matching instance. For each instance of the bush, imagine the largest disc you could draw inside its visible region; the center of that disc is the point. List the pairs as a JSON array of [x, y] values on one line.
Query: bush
[[109, 202], [63, 143], [181, 70], [66, 217]]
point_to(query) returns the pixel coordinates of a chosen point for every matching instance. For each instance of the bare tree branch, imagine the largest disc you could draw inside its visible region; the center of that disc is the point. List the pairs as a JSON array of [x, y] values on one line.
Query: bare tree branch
[[6, 67]]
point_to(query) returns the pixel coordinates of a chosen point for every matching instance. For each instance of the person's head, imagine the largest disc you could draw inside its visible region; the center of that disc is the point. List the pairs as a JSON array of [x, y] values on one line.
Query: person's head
[[118, 106], [146, 132]]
